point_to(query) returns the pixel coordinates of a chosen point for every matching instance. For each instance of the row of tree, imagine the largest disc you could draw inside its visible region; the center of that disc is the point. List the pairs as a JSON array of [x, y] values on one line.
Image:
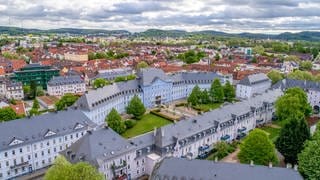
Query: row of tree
[[216, 94], [135, 108], [191, 56], [276, 76]]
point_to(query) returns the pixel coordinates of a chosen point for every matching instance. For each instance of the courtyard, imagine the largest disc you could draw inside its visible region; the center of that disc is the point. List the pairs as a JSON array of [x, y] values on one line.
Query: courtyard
[[146, 124]]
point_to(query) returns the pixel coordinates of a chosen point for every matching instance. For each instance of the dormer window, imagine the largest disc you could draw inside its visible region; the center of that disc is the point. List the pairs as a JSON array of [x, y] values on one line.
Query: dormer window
[[15, 141], [49, 133], [78, 126]]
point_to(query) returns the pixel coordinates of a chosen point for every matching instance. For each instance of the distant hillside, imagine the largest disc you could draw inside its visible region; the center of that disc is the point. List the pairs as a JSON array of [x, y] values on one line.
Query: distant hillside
[[306, 35], [17, 31]]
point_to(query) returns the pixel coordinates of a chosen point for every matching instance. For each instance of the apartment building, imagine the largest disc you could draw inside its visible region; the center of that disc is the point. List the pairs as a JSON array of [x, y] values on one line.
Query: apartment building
[[11, 89], [32, 143], [252, 84], [58, 86]]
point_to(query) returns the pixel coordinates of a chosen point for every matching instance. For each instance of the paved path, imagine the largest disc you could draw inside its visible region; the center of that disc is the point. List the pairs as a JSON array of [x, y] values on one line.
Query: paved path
[[232, 158]]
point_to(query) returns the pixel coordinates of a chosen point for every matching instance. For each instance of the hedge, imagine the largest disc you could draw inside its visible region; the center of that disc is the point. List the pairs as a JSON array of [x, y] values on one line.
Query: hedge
[[157, 113]]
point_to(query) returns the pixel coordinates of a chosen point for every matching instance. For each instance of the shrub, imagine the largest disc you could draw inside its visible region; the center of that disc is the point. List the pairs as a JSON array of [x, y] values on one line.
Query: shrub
[[130, 123]]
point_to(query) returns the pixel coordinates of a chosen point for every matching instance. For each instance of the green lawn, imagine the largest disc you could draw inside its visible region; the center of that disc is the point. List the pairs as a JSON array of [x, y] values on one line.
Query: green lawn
[[273, 132], [147, 123], [207, 107]]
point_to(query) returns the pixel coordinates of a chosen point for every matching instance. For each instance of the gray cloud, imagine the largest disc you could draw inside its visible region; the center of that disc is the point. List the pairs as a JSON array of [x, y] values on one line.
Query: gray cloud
[[234, 15]]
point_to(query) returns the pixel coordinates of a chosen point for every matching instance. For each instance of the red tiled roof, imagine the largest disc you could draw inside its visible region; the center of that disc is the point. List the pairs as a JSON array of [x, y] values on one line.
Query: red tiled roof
[[19, 108]]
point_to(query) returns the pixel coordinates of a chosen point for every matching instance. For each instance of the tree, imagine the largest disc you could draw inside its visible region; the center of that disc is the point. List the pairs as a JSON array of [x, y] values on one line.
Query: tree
[[305, 66], [62, 169], [229, 92], [315, 52], [292, 58], [309, 158], [39, 91], [301, 75], [258, 49], [216, 91], [204, 97], [33, 89], [136, 107], [258, 148], [100, 82], [26, 90], [115, 122], [275, 76], [66, 101], [291, 138], [35, 108], [193, 98], [7, 114], [217, 57], [292, 102], [142, 64]]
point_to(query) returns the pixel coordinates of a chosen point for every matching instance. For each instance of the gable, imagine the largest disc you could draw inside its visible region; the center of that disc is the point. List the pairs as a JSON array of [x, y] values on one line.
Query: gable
[[15, 141], [78, 126], [49, 133]]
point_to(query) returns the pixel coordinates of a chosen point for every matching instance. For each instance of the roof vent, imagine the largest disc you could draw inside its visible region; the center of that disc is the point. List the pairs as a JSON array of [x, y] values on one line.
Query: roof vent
[[194, 121]]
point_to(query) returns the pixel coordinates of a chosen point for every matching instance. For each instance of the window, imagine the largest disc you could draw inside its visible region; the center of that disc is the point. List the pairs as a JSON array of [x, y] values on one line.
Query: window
[[22, 160], [48, 143], [20, 150], [42, 153], [7, 163], [35, 155], [5, 154], [43, 161], [29, 157]]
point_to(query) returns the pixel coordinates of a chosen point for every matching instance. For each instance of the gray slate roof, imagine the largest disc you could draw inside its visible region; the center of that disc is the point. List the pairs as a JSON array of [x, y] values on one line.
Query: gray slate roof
[[64, 80], [98, 96], [100, 144], [289, 83], [188, 127], [34, 129], [148, 75], [175, 168], [194, 76], [254, 79]]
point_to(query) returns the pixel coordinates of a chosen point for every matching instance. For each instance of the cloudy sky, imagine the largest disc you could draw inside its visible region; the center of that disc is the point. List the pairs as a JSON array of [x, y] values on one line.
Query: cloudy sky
[[268, 16]]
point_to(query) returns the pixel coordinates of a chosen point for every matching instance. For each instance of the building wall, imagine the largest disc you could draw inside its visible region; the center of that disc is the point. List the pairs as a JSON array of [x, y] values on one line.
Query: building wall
[[20, 160], [76, 57], [246, 91], [60, 90]]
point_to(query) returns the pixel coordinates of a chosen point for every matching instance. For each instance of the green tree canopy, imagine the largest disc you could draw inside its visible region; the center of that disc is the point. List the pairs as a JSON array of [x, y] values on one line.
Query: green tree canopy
[[258, 148], [194, 96], [301, 75], [292, 102], [191, 56], [309, 158], [66, 101], [275, 76], [216, 91], [35, 104], [229, 92], [7, 114], [142, 64], [305, 65], [258, 49], [100, 82], [136, 107], [292, 137], [62, 169], [115, 122]]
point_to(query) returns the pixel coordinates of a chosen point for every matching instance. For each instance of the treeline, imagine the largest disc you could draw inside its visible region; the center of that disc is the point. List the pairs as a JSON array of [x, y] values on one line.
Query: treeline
[[107, 55], [191, 56]]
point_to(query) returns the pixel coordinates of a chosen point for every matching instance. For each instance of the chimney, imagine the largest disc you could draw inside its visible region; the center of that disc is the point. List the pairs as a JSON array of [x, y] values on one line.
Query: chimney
[[155, 131], [251, 163], [270, 164], [295, 167]]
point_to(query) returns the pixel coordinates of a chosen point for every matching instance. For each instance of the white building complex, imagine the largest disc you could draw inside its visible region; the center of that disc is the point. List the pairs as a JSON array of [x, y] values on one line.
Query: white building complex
[[32, 143], [153, 87], [60, 85], [252, 84]]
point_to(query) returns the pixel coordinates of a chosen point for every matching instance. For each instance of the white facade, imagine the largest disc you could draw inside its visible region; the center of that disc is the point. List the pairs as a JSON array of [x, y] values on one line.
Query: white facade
[[60, 90], [251, 85], [11, 90]]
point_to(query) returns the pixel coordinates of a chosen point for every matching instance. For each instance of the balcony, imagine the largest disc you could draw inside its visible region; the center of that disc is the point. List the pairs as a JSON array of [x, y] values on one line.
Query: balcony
[[243, 129], [225, 137], [114, 167], [259, 121], [203, 148]]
